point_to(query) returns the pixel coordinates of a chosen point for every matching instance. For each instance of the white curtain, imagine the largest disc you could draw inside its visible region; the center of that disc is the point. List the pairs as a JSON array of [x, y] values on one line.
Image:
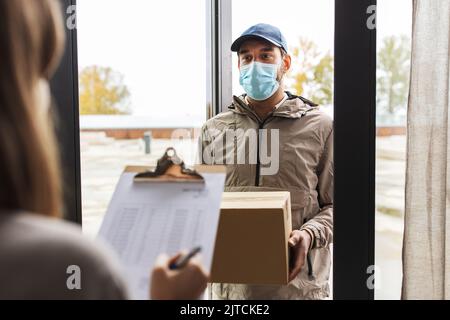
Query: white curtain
[[426, 252]]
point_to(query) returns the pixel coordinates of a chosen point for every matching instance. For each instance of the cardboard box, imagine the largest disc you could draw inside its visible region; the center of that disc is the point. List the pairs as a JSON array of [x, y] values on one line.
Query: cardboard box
[[252, 239]]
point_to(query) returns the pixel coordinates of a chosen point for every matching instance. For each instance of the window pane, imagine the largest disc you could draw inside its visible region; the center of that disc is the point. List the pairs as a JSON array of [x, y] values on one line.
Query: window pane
[[393, 71], [142, 70]]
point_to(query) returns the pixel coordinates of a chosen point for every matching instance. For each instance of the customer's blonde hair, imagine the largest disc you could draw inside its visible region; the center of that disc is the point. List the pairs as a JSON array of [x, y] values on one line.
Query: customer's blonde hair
[[31, 41]]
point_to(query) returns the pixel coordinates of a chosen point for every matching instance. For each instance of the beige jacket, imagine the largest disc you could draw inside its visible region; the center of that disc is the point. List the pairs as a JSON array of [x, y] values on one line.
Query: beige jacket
[[305, 168]]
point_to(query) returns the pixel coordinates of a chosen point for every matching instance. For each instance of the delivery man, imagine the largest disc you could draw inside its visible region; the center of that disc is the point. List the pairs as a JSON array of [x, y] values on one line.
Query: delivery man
[[301, 137]]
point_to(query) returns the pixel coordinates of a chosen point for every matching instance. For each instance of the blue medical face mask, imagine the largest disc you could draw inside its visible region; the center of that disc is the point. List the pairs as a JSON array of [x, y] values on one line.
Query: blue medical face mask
[[259, 80]]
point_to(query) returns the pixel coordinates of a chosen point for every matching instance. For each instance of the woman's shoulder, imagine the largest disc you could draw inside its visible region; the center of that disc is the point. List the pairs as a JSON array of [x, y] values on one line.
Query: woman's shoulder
[[32, 230], [57, 250]]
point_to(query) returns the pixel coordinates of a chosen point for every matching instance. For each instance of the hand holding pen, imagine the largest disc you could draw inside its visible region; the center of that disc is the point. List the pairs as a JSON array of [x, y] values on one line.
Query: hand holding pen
[[183, 260], [178, 278]]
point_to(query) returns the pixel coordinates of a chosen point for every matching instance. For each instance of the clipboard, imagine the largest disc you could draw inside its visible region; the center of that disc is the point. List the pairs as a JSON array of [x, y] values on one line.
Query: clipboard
[[170, 168], [148, 216]]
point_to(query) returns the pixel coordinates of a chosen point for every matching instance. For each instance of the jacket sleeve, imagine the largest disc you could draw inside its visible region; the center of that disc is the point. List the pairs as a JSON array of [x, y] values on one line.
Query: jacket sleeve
[[204, 154], [320, 228]]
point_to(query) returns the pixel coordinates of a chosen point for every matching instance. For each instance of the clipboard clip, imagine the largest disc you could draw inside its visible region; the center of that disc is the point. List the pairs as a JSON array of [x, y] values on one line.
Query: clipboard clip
[[170, 168]]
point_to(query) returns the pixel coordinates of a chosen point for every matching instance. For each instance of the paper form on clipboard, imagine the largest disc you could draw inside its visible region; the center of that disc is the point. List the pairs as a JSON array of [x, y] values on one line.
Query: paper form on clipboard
[[144, 220]]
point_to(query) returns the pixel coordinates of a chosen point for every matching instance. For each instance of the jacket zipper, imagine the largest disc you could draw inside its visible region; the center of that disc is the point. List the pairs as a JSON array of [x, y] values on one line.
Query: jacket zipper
[[258, 159]]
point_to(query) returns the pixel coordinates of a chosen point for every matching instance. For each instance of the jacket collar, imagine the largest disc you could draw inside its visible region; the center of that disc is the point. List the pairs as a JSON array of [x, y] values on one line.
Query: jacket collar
[[294, 107]]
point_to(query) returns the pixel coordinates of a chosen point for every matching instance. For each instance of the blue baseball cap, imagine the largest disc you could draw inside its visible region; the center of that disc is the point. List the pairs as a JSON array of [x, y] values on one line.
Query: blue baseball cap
[[262, 31]]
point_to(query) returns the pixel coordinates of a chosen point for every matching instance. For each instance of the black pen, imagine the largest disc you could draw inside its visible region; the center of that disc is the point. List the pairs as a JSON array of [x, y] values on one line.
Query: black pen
[[183, 260]]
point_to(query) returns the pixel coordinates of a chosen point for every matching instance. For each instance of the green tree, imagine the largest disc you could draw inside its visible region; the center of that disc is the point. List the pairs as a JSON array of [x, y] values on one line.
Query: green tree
[[312, 72], [393, 74], [102, 91]]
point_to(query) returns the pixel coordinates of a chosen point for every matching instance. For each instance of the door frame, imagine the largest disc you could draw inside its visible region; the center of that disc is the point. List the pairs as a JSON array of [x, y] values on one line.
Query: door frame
[[64, 87], [354, 130], [354, 152]]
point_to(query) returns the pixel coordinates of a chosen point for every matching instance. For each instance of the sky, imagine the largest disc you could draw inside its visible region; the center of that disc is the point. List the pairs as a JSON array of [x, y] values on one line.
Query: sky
[[160, 46]]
